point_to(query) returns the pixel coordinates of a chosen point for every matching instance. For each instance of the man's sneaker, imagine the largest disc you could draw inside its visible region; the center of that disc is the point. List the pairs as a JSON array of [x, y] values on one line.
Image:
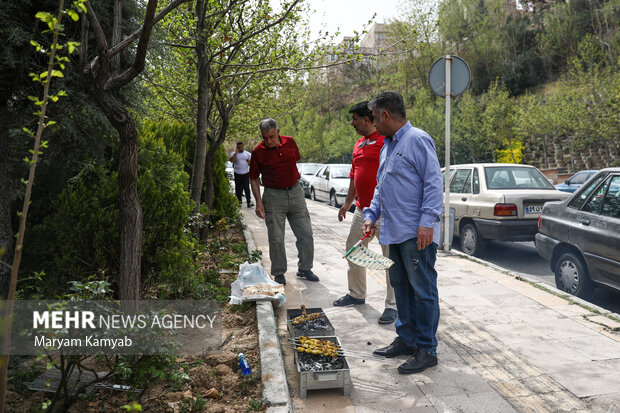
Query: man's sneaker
[[389, 316], [397, 348], [348, 300], [418, 363], [251, 204], [308, 275], [280, 279]]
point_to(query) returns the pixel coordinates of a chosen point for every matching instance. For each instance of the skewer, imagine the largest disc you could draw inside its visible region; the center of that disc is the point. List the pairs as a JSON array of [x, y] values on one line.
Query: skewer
[[351, 354]]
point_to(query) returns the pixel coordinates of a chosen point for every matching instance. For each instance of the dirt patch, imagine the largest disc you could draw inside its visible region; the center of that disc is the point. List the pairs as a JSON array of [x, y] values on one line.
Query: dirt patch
[[213, 383]]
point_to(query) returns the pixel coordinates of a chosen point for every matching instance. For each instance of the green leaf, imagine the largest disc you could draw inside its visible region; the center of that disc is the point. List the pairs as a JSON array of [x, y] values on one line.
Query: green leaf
[[57, 73], [43, 75], [74, 16]]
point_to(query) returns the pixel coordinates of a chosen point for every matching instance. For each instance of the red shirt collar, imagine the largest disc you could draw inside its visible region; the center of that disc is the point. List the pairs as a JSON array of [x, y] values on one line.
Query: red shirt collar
[[283, 140]]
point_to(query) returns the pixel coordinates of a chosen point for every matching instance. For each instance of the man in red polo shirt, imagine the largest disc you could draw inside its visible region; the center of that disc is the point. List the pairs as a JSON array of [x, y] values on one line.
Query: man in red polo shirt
[[275, 158], [363, 181]]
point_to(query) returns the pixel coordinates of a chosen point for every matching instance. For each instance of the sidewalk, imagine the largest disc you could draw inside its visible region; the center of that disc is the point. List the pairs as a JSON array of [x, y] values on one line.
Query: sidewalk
[[504, 344]]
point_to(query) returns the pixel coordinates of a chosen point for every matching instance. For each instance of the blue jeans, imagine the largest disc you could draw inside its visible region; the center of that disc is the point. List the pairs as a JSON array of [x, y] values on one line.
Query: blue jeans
[[414, 279]]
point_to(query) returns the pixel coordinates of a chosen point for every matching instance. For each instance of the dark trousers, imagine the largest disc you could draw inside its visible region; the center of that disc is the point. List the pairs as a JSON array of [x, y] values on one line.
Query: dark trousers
[[414, 279], [242, 184]]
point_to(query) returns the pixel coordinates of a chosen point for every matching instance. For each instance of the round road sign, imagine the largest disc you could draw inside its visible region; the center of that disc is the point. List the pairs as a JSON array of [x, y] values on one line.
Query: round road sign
[[460, 76]]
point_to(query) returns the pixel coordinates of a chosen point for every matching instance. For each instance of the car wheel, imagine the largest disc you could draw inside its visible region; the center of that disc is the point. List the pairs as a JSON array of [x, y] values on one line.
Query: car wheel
[[572, 276], [333, 201], [471, 243], [312, 194]]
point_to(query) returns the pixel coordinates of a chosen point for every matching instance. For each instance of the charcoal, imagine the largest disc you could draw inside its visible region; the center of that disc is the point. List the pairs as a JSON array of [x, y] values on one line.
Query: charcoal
[[312, 325], [318, 362]]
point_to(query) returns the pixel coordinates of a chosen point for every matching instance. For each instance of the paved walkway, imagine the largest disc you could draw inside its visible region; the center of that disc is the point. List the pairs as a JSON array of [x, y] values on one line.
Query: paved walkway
[[505, 345]]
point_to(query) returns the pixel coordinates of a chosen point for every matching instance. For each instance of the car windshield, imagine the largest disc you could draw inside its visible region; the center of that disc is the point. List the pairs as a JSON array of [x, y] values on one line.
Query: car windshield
[[309, 169], [515, 177], [340, 171]]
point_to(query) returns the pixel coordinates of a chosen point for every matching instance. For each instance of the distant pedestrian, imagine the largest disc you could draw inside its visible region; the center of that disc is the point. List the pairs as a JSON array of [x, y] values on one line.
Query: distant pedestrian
[[275, 158], [408, 198], [363, 181], [240, 159]]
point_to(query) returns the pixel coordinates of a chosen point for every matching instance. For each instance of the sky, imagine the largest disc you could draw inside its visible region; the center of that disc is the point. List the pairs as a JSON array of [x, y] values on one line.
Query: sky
[[349, 15]]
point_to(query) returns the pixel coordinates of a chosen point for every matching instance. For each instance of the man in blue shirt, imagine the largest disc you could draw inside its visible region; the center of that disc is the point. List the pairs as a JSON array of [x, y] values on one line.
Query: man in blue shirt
[[408, 198]]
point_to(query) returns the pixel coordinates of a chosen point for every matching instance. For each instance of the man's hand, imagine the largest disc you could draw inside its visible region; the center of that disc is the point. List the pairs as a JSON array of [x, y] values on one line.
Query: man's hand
[[425, 237], [369, 227], [260, 210], [342, 212]]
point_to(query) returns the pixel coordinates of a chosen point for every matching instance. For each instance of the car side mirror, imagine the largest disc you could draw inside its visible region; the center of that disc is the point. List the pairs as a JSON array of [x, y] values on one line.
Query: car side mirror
[[567, 182]]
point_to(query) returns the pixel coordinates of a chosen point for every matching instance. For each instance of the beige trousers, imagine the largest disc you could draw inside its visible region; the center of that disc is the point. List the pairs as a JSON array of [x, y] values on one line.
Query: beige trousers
[[356, 274]]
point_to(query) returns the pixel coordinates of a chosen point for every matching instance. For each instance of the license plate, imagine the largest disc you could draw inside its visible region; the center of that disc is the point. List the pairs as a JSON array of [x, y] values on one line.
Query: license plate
[[533, 209]]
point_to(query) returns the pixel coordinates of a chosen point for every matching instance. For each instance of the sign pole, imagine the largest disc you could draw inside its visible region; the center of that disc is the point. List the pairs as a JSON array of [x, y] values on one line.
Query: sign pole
[[448, 93]]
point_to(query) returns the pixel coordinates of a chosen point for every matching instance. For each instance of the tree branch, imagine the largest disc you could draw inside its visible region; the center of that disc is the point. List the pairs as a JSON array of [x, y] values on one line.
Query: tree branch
[[143, 44], [251, 34], [102, 43], [283, 68]]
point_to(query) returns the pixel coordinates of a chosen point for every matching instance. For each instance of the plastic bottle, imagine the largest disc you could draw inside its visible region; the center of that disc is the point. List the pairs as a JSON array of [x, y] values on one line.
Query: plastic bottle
[[245, 366]]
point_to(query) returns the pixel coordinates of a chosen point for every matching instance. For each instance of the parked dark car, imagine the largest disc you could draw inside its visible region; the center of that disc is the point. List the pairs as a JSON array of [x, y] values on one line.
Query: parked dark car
[[307, 171], [581, 236], [574, 182]]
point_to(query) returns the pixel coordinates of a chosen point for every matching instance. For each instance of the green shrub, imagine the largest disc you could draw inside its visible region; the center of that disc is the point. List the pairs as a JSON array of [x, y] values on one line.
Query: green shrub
[[180, 139], [82, 235]]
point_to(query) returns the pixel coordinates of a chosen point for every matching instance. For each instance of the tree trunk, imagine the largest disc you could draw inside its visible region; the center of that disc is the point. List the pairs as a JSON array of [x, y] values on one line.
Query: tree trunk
[[130, 209], [6, 237], [116, 33], [209, 193], [202, 109]]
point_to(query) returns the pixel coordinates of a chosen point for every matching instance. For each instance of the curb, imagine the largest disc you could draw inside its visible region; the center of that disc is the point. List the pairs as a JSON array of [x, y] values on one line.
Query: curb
[[273, 376], [532, 280]]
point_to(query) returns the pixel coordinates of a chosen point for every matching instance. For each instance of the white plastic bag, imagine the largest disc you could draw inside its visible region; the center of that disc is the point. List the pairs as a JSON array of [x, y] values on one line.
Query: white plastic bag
[[253, 275]]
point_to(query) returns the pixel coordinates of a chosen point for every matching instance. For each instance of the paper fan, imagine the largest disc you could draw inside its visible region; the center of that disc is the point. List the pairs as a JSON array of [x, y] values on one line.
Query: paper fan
[[362, 256]]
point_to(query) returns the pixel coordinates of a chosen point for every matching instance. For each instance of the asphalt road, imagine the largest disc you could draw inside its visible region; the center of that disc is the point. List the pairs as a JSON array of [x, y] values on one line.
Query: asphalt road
[[522, 257]]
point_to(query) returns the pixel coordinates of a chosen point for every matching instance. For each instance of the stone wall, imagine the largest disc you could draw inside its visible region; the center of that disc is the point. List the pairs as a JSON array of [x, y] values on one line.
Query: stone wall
[[559, 162]]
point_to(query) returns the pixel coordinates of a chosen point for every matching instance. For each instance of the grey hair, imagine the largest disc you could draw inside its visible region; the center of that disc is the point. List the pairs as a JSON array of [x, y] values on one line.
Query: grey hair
[[391, 101], [267, 125]]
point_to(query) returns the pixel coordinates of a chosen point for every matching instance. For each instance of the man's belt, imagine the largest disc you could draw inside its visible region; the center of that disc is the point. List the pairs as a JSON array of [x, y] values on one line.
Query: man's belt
[[286, 189]]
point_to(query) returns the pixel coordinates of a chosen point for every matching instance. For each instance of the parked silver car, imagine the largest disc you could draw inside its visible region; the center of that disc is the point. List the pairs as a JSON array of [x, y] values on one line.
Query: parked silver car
[[306, 172], [331, 184], [494, 201], [580, 237]]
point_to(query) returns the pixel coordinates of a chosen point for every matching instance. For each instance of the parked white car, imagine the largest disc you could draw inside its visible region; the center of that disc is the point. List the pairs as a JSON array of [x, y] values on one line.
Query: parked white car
[[331, 184], [230, 170]]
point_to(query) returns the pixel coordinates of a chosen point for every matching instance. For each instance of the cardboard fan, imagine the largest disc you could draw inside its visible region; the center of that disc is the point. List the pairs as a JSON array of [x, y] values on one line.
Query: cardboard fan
[[362, 256]]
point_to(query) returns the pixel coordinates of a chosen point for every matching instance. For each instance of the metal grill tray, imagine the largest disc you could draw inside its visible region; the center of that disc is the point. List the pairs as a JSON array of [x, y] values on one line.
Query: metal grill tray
[[295, 331], [329, 379]]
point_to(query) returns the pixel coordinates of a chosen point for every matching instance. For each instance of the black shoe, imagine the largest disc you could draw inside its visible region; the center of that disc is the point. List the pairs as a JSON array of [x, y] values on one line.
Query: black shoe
[[308, 275], [250, 205], [418, 363], [397, 348], [348, 300], [389, 316], [280, 279]]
